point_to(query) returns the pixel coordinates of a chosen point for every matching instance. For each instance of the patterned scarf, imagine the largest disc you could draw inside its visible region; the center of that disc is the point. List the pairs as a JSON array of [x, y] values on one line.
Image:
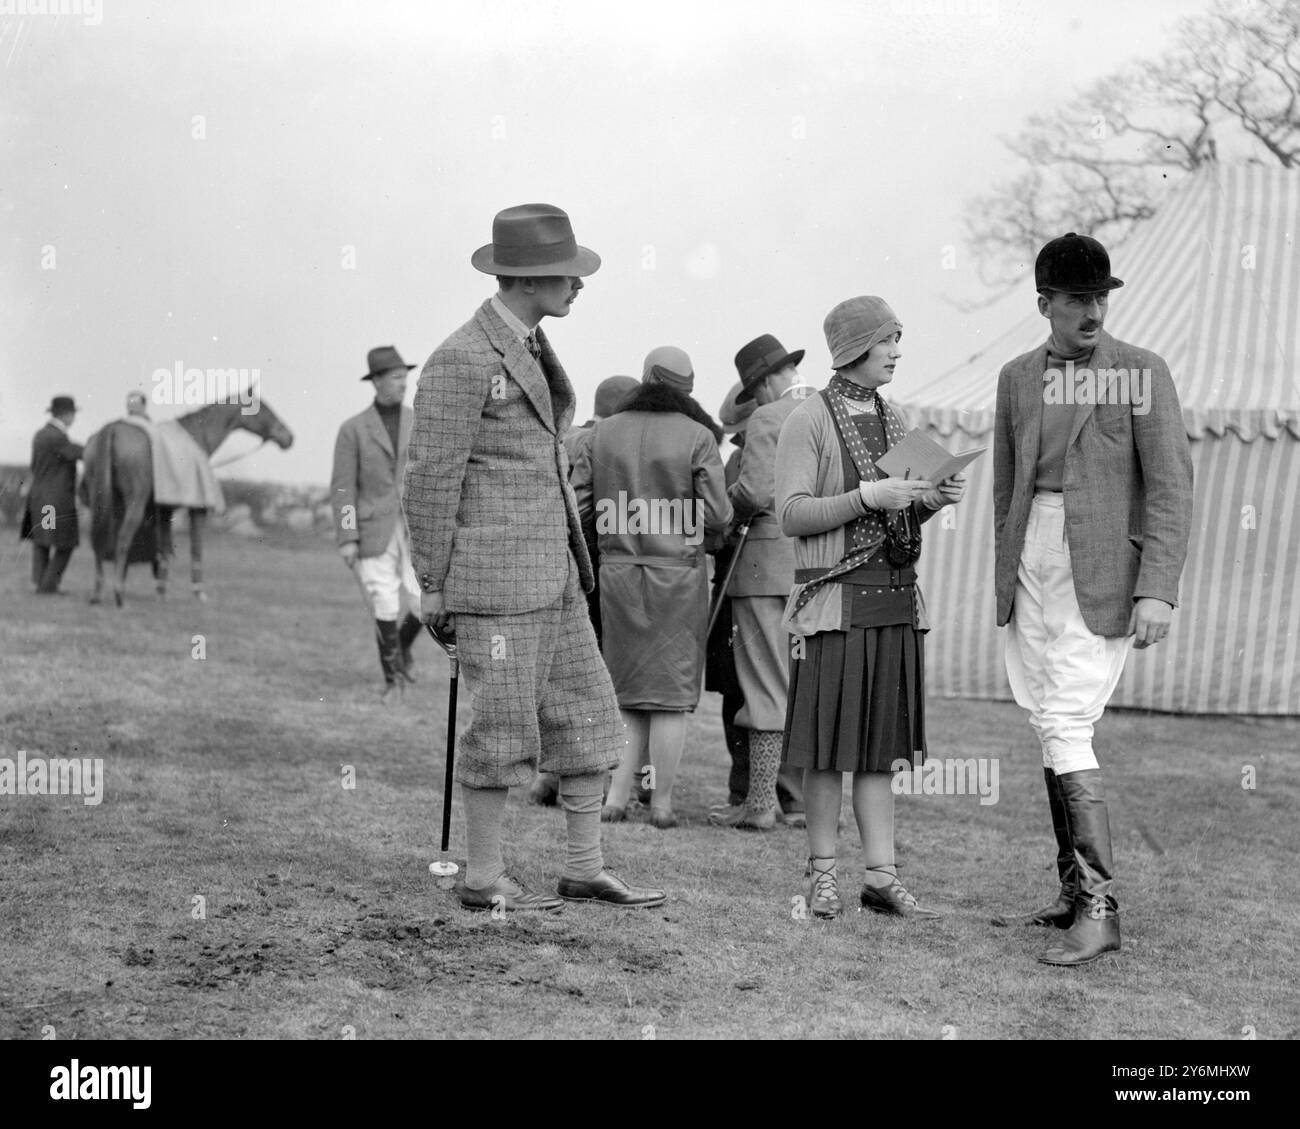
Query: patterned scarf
[[865, 534]]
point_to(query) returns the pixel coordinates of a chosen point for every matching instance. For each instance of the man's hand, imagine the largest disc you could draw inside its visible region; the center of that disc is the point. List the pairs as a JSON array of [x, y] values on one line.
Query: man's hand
[[893, 493], [348, 551], [948, 493], [1149, 621], [431, 611]]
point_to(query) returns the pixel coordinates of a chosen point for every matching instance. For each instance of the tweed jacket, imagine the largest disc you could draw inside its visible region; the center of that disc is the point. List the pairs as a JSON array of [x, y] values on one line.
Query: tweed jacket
[[367, 475], [766, 565], [54, 480], [1127, 484], [487, 500]]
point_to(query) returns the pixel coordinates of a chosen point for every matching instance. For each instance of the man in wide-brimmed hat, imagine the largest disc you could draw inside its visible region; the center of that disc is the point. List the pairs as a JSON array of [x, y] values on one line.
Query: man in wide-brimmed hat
[[50, 517], [499, 554], [369, 462], [761, 584], [1092, 508]]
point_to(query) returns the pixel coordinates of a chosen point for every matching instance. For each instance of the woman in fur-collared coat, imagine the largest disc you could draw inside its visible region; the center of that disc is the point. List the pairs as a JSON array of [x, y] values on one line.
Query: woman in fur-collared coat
[[651, 486]]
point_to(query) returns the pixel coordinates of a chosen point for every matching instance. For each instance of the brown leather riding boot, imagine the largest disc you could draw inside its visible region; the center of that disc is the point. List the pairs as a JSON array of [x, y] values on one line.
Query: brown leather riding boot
[[1096, 912], [1061, 912]]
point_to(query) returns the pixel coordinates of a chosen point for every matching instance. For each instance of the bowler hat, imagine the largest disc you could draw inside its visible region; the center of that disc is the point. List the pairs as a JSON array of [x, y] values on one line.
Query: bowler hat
[[384, 359], [758, 360], [61, 404], [1074, 264], [534, 241]]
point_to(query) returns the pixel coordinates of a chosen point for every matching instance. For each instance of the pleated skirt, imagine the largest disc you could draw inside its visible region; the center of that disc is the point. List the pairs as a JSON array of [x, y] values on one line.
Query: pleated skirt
[[857, 700]]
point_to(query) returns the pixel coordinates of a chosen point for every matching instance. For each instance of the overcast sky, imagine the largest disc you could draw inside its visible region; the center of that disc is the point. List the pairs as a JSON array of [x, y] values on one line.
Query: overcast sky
[[236, 185]]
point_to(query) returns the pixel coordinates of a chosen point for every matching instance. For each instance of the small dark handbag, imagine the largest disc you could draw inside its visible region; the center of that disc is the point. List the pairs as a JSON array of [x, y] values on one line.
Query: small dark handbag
[[902, 529]]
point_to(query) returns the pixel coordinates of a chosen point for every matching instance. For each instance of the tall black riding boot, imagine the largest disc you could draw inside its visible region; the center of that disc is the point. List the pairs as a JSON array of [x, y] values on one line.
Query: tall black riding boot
[[390, 652], [406, 637], [1096, 912], [1061, 912]]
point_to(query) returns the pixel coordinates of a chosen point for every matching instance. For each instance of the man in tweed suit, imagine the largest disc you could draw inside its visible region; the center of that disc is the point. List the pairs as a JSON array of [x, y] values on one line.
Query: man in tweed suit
[[369, 461], [1092, 485], [499, 554]]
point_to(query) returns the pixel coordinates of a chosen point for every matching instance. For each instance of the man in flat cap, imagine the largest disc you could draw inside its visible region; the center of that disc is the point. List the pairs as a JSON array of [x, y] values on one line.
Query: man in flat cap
[[50, 517], [761, 585], [1092, 508], [369, 462], [499, 554]]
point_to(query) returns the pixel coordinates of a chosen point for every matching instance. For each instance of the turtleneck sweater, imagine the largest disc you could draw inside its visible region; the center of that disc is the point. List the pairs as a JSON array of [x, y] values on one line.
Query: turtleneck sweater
[[1057, 420], [391, 414]]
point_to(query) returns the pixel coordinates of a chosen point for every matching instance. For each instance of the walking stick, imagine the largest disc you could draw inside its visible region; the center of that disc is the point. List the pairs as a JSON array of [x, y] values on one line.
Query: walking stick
[[726, 580], [444, 869]]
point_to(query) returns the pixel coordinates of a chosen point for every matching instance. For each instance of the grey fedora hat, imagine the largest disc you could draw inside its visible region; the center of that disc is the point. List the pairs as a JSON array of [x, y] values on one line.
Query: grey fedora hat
[[534, 241]]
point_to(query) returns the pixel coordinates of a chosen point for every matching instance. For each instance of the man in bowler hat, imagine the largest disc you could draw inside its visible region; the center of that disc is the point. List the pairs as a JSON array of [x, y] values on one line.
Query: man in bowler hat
[[50, 517], [1092, 505], [499, 555], [369, 462]]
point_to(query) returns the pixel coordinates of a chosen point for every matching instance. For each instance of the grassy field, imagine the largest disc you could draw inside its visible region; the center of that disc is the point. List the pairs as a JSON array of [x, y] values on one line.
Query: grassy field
[[318, 918]]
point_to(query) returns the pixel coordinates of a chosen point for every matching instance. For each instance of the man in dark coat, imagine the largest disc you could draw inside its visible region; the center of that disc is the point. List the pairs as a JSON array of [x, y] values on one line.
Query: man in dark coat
[[50, 519]]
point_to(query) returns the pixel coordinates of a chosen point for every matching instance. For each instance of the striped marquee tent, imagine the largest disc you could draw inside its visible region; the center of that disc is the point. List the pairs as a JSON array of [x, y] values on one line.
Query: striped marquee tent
[[1212, 284]]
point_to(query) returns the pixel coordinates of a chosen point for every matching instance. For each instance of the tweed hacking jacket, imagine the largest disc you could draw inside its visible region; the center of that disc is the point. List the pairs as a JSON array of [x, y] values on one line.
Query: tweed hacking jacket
[[367, 474], [766, 565], [487, 501], [1127, 483]]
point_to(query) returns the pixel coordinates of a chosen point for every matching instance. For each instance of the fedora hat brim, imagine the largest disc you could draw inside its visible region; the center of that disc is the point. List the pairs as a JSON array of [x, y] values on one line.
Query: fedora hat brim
[[390, 368], [585, 262], [773, 366]]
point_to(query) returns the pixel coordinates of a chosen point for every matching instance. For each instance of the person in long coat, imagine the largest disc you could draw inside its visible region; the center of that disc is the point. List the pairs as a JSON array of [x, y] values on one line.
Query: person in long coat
[[50, 517], [651, 481]]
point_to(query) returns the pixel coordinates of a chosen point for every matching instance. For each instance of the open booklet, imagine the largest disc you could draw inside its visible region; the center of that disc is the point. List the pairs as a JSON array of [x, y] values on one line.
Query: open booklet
[[919, 456]]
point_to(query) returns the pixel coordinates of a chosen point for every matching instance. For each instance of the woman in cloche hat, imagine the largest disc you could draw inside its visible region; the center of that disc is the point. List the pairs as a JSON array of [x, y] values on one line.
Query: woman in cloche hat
[[857, 694]]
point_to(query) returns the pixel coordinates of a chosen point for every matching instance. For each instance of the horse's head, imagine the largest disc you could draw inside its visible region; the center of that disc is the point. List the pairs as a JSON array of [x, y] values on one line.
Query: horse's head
[[265, 424]]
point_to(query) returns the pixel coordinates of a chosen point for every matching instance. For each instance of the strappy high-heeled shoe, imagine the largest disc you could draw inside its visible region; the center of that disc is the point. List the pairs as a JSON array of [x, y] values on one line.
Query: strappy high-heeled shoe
[[893, 898], [823, 892]]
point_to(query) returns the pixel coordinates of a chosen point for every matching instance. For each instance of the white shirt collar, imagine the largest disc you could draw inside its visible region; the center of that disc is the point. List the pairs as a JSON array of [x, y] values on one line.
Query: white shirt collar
[[791, 389], [507, 315], [59, 424]]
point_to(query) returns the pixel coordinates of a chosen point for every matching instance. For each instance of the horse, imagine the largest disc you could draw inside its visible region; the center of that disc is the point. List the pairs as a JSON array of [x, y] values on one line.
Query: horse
[[117, 484]]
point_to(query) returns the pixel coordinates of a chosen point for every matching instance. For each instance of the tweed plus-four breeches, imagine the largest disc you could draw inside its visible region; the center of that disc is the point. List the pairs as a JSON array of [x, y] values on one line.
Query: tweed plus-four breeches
[[540, 694]]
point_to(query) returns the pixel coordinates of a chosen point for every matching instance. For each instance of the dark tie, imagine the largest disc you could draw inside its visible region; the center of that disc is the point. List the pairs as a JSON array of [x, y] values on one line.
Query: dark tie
[[530, 343]]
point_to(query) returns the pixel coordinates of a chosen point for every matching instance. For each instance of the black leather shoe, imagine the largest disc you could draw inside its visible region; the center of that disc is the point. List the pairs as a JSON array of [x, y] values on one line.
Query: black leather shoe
[[893, 899], [608, 887], [507, 894]]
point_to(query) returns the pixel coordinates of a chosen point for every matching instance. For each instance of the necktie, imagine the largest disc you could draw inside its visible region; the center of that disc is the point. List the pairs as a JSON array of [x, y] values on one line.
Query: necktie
[[530, 343]]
